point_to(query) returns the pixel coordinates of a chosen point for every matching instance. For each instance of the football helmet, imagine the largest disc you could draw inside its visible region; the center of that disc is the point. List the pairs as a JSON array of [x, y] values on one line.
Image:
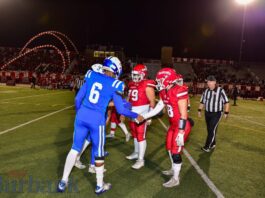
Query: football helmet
[[97, 68], [139, 73], [165, 77], [113, 64]]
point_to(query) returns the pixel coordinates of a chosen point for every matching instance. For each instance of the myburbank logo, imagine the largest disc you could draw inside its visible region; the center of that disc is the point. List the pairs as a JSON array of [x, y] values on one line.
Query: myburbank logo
[[33, 185]]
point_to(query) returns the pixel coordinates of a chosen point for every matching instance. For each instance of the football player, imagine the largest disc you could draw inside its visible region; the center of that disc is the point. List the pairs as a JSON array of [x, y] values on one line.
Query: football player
[[116, 119], [142, 97], [91, 103], [99, 69], [175, 98]]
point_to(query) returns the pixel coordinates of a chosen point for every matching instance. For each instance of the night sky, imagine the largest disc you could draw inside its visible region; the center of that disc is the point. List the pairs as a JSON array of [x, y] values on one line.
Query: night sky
[[194, 28]]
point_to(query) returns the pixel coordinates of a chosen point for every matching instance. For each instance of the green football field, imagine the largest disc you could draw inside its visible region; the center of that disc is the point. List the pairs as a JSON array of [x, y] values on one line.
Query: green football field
[[36, 129]]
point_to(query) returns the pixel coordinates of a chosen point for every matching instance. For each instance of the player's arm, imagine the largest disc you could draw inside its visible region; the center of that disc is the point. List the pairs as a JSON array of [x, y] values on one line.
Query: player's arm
[[183, 110], [158, 108], [126, 104], [201, 105], [80, 96], [108, 116], [226, 103], [118, 102], [150, 93]]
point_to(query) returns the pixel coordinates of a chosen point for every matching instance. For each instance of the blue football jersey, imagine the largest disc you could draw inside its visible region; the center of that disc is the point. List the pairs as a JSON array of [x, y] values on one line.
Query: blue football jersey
[[100, 90]]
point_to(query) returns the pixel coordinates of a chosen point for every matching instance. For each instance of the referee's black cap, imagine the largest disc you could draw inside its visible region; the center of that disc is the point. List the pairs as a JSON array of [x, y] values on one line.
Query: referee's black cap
[[211, 78]]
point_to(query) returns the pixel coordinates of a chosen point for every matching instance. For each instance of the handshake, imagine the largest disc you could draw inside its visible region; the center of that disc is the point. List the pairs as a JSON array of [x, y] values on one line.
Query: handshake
[[139, 119]]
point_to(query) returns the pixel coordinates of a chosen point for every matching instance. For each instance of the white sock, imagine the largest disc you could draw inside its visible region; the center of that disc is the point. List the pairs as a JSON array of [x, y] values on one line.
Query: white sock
[[83, 149], [100, 175], [176, 169], [136, 146], [142, 148], [123, 128], [113, 126], [171, 160], [69, 164]]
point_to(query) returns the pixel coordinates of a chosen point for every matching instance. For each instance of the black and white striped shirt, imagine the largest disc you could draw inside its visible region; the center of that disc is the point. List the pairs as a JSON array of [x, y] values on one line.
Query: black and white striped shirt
[[79, 83], [214, 100]]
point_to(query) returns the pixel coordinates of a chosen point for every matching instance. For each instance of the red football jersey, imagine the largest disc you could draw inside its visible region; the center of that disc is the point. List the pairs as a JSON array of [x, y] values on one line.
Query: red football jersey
[[171, 98], [137, 92]]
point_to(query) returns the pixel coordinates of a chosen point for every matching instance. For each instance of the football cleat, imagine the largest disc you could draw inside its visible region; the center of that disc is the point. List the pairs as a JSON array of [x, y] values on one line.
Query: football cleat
[[61, 186], [79, 165], [205, 149], [104, 188], [127, 137], [138, 164], [212, 147], [132, 156], [171, 183], [169, 172]]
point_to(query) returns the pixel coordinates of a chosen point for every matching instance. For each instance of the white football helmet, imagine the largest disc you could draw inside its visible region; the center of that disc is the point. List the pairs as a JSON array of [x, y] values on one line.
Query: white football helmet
[[97, 68]]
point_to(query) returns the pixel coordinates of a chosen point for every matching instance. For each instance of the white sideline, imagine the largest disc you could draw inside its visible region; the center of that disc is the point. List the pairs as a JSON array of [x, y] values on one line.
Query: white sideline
[[34, 120], [205, 178], [30, 96]]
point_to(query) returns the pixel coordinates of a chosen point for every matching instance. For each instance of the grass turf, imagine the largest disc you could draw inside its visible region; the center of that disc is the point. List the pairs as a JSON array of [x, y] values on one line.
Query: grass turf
[[37, 152]]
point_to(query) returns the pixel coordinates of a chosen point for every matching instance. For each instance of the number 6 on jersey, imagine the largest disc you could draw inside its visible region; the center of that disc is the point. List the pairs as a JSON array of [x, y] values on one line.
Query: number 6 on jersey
[[94, 93]]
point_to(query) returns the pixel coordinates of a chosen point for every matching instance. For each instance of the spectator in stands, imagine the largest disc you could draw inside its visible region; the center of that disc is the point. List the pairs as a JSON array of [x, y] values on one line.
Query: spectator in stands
[[33, 82]]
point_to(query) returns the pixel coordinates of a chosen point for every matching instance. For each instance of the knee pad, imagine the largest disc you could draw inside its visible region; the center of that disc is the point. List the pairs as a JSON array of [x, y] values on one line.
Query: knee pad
[[177, 158]]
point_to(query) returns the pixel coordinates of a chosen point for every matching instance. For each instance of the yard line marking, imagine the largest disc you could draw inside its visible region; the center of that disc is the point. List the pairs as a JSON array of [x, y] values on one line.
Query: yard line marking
[[246, 128], [258, 123], [36, 95], [204, 177], [34, 120], [233, 125]]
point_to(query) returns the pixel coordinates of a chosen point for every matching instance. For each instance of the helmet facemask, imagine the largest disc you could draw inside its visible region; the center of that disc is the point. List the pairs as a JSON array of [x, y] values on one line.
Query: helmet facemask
[[179, 82], [136, 76], [160, 84]]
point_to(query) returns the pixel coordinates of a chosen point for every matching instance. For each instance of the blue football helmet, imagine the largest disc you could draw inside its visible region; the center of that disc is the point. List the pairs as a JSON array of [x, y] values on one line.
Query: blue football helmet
[[113, 64]]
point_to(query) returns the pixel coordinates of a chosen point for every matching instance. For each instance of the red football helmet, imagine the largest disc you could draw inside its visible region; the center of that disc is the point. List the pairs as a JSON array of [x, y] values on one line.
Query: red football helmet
[[139, 73], [165, 77]]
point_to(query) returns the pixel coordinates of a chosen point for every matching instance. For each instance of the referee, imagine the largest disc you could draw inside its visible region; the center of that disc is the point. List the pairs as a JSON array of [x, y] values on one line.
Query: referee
[[78, 84], [215, 101]]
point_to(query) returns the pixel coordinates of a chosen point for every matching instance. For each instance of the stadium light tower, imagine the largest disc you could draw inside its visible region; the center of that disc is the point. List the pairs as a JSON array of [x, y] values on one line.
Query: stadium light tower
[[244, 3]]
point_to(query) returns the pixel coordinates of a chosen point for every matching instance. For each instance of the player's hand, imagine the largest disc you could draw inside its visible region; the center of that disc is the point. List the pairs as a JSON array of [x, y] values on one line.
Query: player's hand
[[148, 122], [180, 138], [122, 118], [140, 118], [199, 114], [225, 116]]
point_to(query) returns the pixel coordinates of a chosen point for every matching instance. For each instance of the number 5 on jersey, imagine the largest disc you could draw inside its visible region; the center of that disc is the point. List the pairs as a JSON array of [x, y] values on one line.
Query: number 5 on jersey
[[94, 92]]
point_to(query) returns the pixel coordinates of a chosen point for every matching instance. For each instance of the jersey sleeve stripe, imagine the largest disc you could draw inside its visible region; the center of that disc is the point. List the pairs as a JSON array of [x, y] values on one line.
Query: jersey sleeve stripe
[[118, 84], [152, 85], [182, 94], [88, 74], [113, 84]]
